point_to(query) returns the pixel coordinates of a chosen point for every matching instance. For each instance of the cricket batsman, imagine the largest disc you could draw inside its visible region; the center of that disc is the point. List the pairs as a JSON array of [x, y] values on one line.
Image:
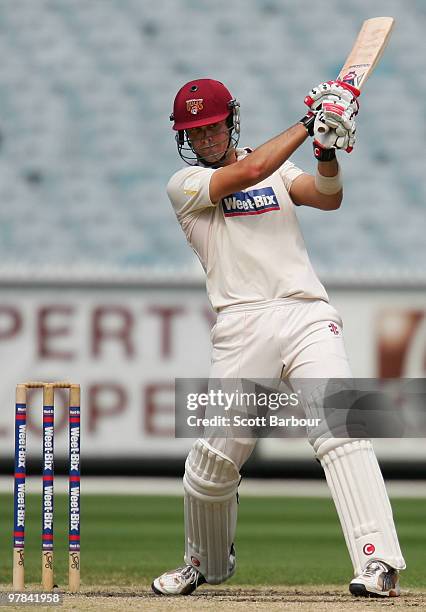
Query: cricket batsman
[[237, 208]]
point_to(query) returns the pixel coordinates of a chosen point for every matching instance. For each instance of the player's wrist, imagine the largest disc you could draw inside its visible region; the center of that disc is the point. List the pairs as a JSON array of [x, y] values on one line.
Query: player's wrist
[[321, 154], [329, 185]]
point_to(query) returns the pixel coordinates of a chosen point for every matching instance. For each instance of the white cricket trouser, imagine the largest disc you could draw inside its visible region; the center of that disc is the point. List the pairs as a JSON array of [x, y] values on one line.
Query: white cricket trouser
[[290, 339]]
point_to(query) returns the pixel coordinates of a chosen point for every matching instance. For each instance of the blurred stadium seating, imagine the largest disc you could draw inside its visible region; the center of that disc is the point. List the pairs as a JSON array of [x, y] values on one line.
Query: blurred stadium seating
[[86, 147]]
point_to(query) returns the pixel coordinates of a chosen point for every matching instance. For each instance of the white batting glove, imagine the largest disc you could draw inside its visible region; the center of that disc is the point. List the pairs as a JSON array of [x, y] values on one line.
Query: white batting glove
[[332, 90], [335, 126]]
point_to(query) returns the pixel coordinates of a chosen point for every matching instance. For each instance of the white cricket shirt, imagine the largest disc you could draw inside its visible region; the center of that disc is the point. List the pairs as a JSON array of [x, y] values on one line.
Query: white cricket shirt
[[250, 243]]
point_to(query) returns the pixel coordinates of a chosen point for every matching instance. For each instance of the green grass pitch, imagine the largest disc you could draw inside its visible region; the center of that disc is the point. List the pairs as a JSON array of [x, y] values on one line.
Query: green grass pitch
[[128, 540]]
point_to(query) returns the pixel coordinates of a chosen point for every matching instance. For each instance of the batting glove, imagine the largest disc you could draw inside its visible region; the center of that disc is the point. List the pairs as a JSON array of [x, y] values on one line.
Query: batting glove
[[335, 126], [332, 90]]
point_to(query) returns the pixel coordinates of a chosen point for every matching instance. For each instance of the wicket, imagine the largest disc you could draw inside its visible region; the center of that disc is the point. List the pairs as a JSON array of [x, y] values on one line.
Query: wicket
[[48, 484]]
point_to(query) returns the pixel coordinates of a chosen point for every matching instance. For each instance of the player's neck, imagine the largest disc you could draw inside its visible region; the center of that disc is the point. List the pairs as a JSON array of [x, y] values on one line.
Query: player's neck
[[231, 158]]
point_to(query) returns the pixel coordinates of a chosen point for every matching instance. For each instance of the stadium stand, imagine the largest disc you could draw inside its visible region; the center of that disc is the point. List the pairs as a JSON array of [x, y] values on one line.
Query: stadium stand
[[86, 146]]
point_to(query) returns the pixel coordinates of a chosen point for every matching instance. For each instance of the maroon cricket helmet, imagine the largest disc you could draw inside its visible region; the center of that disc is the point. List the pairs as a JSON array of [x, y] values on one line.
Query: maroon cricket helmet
[[201, 102]]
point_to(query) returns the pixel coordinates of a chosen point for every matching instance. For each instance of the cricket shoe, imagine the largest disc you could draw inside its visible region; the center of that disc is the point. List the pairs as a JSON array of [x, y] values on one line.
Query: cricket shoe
[[377, 580], [184, 580], [181, 581]]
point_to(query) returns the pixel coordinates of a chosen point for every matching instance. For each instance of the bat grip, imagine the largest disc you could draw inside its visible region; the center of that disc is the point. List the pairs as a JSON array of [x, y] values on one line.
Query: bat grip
[[323, 129]]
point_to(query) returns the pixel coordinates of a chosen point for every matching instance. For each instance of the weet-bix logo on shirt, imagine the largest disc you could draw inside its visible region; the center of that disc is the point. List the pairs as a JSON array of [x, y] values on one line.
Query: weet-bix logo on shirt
[[252, 202]]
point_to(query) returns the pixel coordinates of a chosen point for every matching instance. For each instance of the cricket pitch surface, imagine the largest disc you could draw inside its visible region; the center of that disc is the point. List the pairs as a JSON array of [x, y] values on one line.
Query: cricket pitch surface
[[305, 598]]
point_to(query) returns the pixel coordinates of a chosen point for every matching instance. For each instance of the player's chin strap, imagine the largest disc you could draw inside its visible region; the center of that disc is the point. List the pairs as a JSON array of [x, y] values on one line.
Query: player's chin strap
[[216, 164]]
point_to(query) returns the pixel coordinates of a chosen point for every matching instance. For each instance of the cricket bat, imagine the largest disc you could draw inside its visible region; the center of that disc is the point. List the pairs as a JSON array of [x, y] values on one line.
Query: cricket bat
[[366, 52]]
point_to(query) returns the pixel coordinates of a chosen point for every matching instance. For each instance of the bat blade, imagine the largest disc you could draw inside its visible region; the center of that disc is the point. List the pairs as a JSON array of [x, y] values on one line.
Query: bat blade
[[367, 50]]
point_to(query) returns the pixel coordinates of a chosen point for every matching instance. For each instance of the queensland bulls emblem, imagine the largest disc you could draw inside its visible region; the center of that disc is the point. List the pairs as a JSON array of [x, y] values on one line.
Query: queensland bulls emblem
[[193, 106]]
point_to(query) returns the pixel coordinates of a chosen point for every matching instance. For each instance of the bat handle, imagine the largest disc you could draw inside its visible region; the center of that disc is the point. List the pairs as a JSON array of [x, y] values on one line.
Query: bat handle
[[320, 126], [323, 129]]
